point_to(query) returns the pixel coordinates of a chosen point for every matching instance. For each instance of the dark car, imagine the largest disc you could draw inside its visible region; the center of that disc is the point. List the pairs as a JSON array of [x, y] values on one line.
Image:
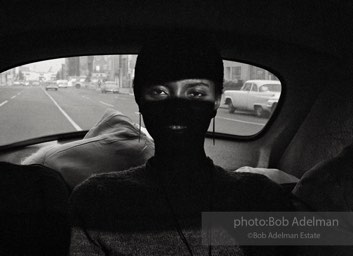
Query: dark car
[[51, 85]]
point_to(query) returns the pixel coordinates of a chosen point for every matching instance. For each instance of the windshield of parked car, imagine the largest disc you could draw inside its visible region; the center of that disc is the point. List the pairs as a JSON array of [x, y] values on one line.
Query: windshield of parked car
[[71, 94]]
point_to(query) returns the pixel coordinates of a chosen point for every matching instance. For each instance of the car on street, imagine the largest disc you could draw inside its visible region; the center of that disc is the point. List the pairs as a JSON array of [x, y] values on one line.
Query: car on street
[[62, 83], [303, 146], [51, 85], [34, 83], [110, 86], [75, 82], [257, 96]]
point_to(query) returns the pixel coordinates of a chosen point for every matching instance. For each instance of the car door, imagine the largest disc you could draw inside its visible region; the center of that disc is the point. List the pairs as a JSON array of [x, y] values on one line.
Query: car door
[[242, 99], [253, 94]]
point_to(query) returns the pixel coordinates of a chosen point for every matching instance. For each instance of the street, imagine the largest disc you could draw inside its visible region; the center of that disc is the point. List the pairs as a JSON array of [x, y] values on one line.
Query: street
[[29, 112]]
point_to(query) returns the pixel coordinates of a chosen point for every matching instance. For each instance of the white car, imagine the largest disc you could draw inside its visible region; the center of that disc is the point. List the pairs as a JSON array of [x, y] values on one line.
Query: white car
[[110, 86], [259, 96], [62, 83]]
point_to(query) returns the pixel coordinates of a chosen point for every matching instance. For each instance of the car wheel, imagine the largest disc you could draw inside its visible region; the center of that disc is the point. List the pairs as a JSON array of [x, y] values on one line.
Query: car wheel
[[231, 107], [259, 111]]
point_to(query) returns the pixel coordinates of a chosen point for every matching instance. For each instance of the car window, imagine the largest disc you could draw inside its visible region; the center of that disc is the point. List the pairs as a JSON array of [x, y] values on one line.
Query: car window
[[247, 87], [254, 88], [272, 87], [71, 94]]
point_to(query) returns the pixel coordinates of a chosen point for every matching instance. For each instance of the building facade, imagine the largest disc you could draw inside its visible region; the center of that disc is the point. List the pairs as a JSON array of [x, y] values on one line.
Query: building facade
[[241, 72]]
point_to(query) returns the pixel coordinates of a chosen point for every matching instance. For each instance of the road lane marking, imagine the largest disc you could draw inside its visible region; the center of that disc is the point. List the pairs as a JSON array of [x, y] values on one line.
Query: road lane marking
[[3, 103], [107, 104], [240, 121], [13, 97], [78, 128]]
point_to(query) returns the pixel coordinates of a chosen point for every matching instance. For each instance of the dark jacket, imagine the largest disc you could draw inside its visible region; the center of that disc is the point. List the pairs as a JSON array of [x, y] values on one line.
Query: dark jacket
[[126, 213]]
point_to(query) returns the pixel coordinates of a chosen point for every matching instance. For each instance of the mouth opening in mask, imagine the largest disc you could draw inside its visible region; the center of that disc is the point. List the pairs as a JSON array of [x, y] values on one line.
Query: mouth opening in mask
[[176, 120], [176, 127]]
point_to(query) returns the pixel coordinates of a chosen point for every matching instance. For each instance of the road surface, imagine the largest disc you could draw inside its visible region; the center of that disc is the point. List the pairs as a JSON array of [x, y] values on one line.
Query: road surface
[[29, 112]]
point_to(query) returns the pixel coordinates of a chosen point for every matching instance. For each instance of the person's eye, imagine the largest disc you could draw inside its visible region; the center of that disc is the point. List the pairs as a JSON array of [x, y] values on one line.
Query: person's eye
[[159, 92], [197, 94]]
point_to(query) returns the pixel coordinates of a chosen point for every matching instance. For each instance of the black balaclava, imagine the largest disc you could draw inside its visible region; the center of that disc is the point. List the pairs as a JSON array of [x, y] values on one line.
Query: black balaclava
[[169, 58]]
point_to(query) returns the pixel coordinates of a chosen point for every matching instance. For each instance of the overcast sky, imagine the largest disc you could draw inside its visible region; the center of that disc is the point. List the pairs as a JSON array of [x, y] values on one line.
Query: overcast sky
[[44, 66]]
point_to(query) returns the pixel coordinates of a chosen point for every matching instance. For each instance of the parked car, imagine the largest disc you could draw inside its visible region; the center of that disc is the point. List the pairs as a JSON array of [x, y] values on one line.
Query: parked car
[[62, 83], [110, 86], [259, 96], [71, 82], [19, 83], [35, 83], [306, 44], [51, 85], [75, 82]]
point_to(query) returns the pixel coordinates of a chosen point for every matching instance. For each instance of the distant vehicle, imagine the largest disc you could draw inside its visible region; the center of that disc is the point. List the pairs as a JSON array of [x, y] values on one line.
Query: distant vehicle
[[75, 82], [110, 86], [62, 83], [71, 82], [259, 96], [19, 83], [51, 85], [32, 83]]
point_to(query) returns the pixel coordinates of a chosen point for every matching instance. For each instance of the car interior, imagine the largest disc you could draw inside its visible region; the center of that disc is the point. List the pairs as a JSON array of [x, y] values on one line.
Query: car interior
[[306, 45]]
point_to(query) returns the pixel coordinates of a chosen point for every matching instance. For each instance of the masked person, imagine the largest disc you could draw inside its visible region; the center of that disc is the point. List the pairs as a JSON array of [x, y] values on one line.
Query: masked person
[[155, 209]]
